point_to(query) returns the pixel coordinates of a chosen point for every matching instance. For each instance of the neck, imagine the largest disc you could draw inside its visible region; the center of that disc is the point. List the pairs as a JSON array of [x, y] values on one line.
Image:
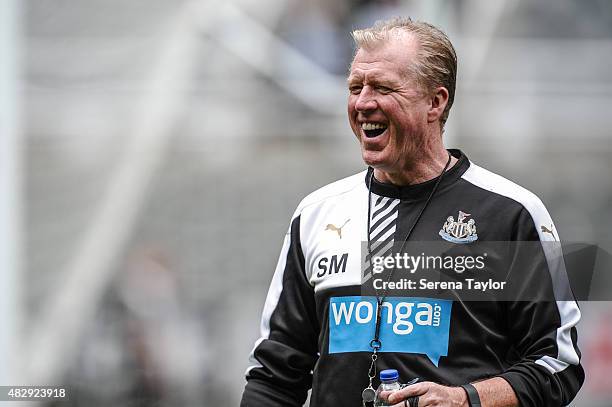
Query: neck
[[426, 168]]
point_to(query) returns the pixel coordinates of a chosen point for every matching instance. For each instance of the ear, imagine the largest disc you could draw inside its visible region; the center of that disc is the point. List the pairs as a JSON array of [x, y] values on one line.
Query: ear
[[439, 100]]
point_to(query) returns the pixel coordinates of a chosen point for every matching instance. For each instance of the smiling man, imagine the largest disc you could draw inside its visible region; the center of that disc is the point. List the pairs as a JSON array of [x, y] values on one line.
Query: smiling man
[[318, 328], [397, 111]]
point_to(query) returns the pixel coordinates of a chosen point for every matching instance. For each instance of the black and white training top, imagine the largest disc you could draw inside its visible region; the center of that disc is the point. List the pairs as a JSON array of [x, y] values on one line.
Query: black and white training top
[[316, 325]]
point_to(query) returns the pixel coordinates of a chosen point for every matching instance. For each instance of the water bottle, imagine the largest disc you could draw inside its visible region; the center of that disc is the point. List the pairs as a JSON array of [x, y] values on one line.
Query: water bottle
[[389, 381]]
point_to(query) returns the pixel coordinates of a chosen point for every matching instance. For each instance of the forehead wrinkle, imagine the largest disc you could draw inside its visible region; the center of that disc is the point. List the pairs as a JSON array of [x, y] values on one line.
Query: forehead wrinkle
[[393, 70], [375, 76]]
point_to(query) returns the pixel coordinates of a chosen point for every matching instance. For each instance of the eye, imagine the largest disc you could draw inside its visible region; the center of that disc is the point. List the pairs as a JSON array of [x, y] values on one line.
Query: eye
[[384, 89], [355, 89]]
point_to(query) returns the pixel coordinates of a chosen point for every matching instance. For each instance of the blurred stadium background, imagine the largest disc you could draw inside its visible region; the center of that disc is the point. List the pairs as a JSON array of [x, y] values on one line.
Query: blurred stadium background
[[153, 152]]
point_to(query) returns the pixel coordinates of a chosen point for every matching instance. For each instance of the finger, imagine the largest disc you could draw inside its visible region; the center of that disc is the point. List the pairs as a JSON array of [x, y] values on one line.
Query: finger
[[386, 393], [405, 403], [413, 390]]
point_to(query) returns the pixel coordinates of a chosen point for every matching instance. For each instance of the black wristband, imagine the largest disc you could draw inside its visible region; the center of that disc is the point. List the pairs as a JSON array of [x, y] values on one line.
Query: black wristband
[[473, 397]]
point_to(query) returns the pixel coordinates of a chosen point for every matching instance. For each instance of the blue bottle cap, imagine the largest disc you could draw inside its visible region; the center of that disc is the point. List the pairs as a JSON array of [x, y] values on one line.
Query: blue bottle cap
[[389, 375]]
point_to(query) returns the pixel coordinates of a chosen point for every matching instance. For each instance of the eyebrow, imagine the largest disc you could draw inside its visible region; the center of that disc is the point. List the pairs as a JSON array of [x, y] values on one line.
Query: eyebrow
[[353, 78], [374, 78]]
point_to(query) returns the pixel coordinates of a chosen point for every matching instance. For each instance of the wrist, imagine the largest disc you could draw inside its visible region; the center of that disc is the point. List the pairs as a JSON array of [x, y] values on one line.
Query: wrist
[[472, 395], [461, 397]]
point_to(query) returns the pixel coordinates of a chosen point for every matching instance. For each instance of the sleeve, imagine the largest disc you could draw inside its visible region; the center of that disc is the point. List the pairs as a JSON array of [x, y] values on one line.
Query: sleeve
[[284, 356], [541, 317]]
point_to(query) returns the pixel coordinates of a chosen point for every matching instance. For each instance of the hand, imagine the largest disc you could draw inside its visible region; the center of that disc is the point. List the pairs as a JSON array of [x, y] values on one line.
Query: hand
[[430, 394]]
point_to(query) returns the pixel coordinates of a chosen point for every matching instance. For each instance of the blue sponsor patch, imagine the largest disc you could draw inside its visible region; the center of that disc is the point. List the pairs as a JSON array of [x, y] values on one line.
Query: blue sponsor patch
[[408, 325]]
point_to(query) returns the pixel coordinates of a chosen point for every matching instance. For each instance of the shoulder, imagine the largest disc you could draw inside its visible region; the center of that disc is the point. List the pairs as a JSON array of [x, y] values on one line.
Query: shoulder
[[498, 185], [333, 192]]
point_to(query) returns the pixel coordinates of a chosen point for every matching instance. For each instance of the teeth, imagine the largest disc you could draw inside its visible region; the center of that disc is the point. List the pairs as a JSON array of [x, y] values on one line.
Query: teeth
[[373, 126]]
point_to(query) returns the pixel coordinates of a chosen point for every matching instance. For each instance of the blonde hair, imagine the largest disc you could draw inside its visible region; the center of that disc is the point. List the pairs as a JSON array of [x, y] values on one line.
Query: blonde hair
[[436, 63]]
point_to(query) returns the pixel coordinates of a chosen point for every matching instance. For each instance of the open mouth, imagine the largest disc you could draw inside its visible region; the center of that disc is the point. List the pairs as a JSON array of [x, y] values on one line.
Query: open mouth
[[372, 130]]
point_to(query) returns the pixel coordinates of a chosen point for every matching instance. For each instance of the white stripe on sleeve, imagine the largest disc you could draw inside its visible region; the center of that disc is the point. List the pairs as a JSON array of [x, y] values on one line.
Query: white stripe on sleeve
[[274, 293]]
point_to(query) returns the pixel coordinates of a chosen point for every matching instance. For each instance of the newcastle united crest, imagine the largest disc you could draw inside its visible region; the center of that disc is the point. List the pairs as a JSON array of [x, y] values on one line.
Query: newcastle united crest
[[460, 231]]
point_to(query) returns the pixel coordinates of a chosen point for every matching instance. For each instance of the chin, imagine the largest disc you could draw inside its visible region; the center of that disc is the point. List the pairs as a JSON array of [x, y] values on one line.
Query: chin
[[374, 159]]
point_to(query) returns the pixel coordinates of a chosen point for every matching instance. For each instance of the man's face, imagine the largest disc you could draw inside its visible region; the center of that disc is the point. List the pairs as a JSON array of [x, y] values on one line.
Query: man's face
[[387, 109]]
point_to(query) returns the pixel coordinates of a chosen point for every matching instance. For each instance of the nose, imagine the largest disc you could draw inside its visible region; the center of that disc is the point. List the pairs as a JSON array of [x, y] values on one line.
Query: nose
[[366, 100]]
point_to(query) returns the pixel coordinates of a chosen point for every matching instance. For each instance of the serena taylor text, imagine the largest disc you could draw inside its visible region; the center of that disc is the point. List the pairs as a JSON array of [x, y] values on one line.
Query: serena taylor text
[[424, 284]]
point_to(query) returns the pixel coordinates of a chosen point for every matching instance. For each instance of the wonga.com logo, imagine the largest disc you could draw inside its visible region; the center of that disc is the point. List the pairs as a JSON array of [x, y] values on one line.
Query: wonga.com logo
[[408, 325]]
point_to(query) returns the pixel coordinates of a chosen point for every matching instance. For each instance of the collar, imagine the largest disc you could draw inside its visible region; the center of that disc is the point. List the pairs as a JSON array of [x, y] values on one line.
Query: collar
[[416, 192]]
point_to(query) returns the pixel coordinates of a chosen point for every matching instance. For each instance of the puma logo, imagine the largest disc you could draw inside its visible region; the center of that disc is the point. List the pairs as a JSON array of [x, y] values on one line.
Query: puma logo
[[547, 230], [337, 229]]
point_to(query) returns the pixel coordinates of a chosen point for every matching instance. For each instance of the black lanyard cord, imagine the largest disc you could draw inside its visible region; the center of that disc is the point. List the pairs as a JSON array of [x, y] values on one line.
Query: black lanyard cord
[[375, 343]]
